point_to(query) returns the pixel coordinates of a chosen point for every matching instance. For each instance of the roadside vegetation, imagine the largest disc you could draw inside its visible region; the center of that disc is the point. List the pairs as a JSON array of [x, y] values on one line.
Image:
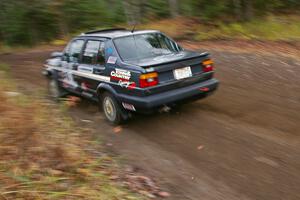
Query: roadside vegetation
[[43, 155], [269, 28], [282, 28], [27, 23]]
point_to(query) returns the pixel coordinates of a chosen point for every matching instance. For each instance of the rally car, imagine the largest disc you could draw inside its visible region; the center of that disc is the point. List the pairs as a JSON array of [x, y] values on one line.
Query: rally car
[[130, 71]]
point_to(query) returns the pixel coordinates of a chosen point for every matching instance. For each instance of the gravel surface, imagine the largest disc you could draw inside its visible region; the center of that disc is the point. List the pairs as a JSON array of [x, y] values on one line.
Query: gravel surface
[[240, 143]]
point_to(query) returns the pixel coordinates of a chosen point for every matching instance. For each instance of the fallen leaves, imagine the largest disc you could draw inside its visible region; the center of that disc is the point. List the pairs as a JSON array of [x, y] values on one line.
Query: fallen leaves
[[200, 147], [163, 194], [86, 120], [118, 129], [83, 172], [46, 156], [55, 172], [144, 185], [12, 94], [72, 101], [109, 144], [267, 161], [114, 177]]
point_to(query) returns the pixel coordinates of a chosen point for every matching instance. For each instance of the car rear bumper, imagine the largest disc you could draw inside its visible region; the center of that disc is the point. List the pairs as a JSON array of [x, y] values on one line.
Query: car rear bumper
[[191, 92]]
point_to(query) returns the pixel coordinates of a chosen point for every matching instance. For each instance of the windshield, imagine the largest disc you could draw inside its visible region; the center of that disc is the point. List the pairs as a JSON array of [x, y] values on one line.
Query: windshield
[[140, 46]]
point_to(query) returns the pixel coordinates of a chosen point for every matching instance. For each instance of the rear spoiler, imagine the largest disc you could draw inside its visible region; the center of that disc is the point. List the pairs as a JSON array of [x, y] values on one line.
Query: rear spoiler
[[204, 54]]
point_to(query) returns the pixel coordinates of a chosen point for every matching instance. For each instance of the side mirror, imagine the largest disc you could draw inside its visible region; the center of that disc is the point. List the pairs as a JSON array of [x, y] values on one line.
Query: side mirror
[[56, 54]]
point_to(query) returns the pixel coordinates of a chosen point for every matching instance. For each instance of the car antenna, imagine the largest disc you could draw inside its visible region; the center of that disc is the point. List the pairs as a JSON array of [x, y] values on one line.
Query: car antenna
[[133, 35]]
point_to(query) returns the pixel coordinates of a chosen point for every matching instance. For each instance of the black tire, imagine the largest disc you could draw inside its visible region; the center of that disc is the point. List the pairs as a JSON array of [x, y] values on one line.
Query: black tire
[[112, 110], [55, 91]]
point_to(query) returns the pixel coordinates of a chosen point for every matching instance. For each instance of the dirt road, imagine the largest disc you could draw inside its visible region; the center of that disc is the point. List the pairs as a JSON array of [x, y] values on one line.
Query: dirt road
[[241, 143]]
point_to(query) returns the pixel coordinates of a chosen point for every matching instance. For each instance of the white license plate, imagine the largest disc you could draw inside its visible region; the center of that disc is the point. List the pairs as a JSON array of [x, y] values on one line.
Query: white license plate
[[182, 73]]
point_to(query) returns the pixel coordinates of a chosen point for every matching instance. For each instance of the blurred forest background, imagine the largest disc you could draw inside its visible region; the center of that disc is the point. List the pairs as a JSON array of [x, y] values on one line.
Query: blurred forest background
[[28, 22]]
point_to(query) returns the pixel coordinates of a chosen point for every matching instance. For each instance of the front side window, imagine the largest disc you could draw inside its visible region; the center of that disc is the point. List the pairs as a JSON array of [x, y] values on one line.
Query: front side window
[[145, 46], [74, 49], [93, 52]]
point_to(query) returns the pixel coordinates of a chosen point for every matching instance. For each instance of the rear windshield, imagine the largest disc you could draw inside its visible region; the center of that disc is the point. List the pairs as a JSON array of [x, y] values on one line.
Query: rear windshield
[[140, 46]]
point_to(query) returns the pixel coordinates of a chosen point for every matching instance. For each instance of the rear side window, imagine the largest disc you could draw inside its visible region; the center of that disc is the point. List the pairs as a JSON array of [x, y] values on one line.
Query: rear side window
[[93, 52], [74, 49]]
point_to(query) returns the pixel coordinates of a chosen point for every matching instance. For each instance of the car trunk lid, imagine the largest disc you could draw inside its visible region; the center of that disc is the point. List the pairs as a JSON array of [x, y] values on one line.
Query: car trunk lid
[[167, 64]]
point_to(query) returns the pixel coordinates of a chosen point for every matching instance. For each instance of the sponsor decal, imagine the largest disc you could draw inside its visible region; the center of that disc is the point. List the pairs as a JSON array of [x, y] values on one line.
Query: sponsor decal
[[123, 78], [127, 84], [128, 106], [120, 74], [85, 86], [109, 51], [112, 60], [204, 89]]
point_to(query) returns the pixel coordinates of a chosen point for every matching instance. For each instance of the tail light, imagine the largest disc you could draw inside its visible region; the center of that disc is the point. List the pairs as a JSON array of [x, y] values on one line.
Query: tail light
[[208, 65], [148, 80]]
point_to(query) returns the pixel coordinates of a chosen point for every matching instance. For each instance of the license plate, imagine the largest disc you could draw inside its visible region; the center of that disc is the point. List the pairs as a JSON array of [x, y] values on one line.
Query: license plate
[[182, 73]]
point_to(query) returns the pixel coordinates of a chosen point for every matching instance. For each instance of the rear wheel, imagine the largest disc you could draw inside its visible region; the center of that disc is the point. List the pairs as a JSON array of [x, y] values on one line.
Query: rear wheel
[[55, 90], [111, 109]]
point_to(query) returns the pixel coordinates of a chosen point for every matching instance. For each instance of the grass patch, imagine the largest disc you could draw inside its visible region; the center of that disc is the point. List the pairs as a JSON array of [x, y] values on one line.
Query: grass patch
[[4, 68], [270, 28], [179, 28], [43, 155], [6, 49]]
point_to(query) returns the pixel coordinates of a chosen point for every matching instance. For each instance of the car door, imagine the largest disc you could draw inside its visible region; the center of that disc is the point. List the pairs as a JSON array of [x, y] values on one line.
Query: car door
[[70, 62], [91, 64]]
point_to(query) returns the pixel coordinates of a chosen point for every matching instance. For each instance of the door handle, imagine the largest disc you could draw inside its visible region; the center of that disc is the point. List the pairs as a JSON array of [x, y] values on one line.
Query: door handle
[[98, 71]]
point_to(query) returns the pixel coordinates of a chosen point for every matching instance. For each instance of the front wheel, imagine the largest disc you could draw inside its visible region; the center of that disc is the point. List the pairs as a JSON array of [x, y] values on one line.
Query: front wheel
[[111, 109]]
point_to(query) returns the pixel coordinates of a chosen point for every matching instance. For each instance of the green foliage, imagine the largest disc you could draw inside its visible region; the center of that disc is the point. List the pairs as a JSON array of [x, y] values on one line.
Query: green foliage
[[33, 21], [209, 9], [27, 22], [157, 8]]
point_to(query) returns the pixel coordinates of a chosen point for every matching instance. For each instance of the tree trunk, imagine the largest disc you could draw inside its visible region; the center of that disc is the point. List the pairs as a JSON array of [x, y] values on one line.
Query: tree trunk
[[128, 12], [173, 4], [131, 11], [238, 9], [137, 7], [142, 9], [56, 7], [248, 9], [4, 13]]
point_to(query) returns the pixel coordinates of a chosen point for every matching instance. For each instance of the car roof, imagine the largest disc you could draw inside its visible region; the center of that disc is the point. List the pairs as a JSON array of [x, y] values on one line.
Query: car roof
[[115, 33]]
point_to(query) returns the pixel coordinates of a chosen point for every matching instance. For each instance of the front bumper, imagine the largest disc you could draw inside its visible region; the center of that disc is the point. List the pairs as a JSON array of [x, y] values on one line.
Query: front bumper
[[191, 92]]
